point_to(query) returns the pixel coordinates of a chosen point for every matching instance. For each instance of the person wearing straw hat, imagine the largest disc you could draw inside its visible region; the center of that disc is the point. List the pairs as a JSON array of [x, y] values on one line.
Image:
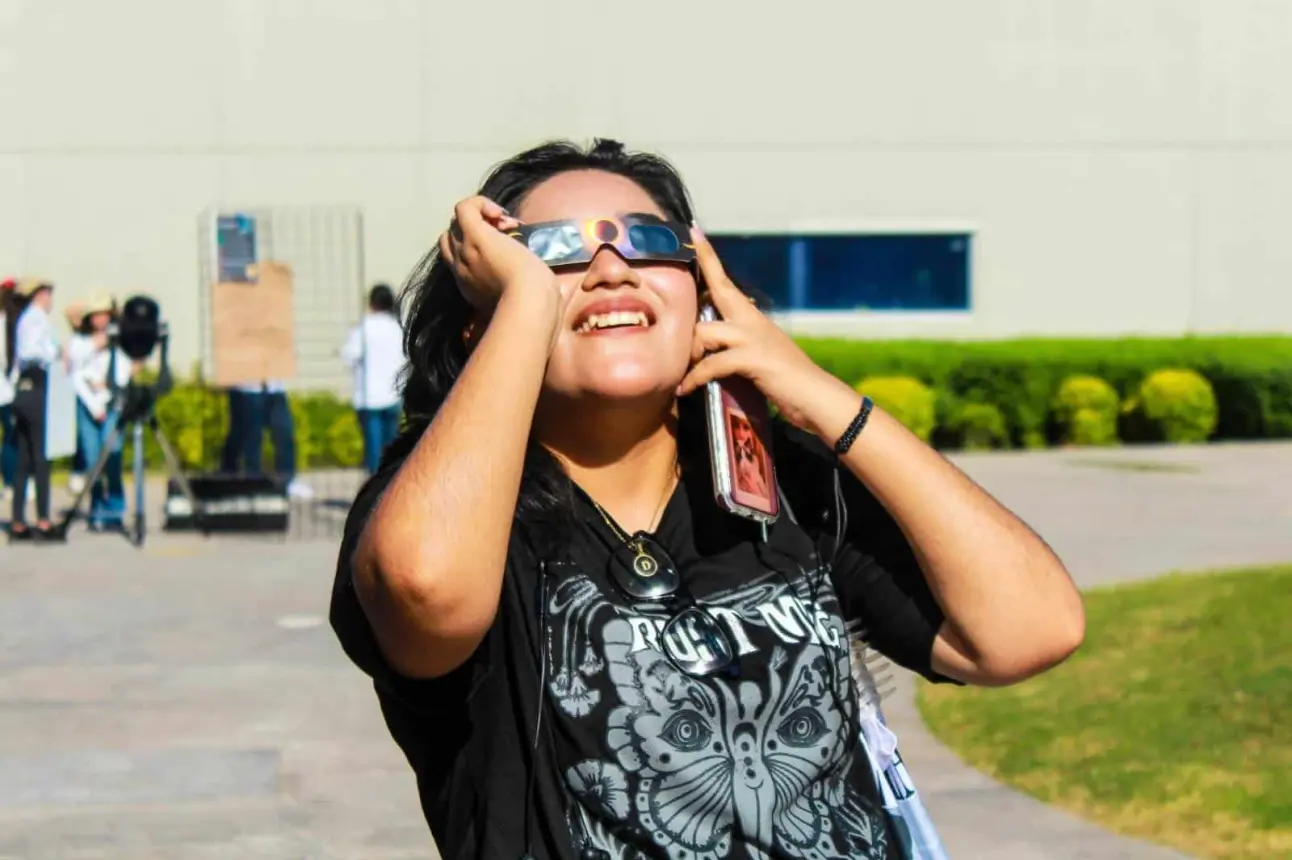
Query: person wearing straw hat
[[31, 349], [95, 373], [8, 444]]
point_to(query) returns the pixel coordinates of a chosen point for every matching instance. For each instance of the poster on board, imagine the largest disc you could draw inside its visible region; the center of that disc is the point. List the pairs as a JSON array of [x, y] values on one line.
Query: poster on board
[[235, 242], [253, 328]]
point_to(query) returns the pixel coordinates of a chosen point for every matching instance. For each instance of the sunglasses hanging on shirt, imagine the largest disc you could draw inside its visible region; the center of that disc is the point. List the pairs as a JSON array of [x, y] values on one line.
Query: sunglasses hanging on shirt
[[693, 640]]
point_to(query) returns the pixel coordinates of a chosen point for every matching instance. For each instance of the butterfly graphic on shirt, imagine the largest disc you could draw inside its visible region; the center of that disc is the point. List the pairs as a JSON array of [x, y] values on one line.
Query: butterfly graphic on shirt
[[695, 765], [763, 762]]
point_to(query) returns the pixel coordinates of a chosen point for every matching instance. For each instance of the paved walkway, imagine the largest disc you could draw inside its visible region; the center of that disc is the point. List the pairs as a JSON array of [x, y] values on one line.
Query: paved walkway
[[187, 701]]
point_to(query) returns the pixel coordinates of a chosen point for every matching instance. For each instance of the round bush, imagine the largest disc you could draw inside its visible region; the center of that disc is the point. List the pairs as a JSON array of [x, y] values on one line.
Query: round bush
[[1174, 405], [907, 399], [979, 427], [1085, 408]]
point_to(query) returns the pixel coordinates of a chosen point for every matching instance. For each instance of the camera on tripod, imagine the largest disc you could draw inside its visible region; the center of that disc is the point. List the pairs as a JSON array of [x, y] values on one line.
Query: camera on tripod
[[137, 333]]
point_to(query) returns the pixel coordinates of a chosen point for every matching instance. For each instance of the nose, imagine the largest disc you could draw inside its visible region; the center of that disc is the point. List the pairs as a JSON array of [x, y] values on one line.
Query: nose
[[608, 270]]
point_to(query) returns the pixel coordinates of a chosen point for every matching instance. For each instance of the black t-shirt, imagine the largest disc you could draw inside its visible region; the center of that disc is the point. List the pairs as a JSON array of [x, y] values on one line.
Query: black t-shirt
[[632, 756]]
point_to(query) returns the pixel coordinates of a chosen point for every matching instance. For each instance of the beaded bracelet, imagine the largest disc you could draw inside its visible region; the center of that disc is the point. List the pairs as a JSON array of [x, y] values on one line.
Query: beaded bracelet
[[854, 429]]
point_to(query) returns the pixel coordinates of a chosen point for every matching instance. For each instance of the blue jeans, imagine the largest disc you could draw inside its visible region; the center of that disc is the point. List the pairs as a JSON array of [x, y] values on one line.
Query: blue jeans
[[249, 413], [107, 496], [379, 426], [8, 448]]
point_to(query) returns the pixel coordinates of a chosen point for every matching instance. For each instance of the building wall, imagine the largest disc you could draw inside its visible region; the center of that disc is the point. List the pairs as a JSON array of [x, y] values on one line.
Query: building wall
[[1125, 165]]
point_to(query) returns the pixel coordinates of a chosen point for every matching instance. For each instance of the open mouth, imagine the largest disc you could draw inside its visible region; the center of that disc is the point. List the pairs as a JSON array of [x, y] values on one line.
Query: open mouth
[[614, 316], [614, 319]]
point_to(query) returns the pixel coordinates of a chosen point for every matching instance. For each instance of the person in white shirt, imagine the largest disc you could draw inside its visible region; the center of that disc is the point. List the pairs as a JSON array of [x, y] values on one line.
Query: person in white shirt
[[98, 372], [30, 350], [374, 351], [8, 442]]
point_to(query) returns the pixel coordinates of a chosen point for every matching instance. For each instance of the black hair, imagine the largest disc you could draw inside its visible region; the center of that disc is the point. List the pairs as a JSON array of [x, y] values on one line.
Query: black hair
[[87, 323], [438, 317], [381, 298]]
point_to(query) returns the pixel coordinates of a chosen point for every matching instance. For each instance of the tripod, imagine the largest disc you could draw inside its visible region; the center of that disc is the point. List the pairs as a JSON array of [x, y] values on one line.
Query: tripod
[[133, 406]]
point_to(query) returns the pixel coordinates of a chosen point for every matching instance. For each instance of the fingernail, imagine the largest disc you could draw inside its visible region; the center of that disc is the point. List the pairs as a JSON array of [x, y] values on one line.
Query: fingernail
[[696, 227]]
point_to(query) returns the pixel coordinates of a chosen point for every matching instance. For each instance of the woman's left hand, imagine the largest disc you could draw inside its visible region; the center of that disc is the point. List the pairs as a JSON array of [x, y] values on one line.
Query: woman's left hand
[[745, 342]]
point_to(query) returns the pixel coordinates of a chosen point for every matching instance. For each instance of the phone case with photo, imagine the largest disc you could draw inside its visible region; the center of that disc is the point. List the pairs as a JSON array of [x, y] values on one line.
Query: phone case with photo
[[740, 446]]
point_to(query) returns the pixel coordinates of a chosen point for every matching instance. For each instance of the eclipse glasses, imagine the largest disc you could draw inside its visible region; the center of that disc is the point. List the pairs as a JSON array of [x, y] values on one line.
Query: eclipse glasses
[[634, 235]]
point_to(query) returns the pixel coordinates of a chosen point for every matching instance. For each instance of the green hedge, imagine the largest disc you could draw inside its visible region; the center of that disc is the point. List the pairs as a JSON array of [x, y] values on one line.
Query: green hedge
[[1251, 376], [196, 419], [959, 394]]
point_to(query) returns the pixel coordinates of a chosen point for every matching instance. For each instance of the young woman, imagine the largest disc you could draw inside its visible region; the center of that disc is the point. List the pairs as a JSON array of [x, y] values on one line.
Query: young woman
[[92, 360], [556, 697], [31, 349]]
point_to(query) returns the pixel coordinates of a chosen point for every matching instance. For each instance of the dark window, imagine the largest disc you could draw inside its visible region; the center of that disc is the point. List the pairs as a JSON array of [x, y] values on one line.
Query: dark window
[[879, 272]]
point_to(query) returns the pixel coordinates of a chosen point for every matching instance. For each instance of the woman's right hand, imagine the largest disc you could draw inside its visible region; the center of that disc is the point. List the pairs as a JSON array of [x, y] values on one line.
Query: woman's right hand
[[485, 260]]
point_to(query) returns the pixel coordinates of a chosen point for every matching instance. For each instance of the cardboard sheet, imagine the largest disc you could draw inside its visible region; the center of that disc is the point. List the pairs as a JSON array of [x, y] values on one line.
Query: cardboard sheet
[[253, 331]]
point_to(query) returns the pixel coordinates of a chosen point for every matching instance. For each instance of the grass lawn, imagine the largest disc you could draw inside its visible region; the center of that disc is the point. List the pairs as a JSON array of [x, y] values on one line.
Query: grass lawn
[[1173, 722]]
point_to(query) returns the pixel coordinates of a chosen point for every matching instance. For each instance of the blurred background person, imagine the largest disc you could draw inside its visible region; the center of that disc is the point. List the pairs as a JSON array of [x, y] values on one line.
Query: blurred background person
[[374, 352], [74, 313], [252, 408], [31, 349], [8, 445], [91, 362]]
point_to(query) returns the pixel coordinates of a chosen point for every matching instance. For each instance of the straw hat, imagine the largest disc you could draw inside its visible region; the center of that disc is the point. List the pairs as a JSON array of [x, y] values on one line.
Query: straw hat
[[30, 286], [99, 303]]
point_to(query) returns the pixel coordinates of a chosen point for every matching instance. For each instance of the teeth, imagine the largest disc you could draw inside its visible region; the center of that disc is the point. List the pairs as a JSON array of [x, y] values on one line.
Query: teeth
[[614, 319]]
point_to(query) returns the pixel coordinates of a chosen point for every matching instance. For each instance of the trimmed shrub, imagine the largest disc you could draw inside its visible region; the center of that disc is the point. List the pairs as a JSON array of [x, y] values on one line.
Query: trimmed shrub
[[1085, 411], [1173, 405], [907, 399], [978, 427]]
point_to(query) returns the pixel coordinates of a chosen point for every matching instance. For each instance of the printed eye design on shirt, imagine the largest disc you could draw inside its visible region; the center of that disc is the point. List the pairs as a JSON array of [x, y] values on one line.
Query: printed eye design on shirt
[[711, 760]]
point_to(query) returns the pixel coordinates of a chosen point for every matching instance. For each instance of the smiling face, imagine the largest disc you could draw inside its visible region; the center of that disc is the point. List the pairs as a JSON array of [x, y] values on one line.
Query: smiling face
[[628, 327]]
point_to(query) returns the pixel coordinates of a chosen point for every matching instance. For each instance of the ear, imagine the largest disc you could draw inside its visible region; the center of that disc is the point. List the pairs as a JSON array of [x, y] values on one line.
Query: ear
[[474, 330]]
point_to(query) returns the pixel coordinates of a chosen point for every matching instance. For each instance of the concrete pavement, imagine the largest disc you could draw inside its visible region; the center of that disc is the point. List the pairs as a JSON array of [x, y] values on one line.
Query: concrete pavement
[[188, 701]]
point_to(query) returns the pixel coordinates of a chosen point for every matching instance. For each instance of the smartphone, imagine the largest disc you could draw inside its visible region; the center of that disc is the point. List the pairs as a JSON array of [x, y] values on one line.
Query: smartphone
[[740, 445]]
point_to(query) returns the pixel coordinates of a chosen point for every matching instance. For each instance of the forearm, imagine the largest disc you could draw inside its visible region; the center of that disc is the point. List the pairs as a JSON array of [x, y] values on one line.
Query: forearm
[[432, 556], [1011, 605]]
